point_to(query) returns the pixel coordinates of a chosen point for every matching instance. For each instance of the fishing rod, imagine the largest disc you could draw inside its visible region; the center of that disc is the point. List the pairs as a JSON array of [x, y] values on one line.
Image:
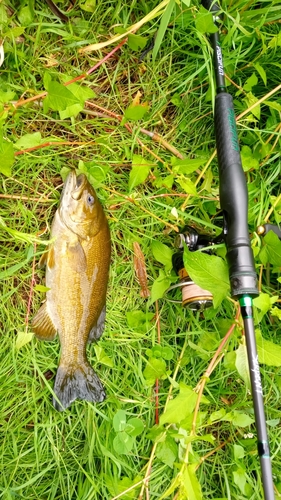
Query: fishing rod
[[234, 204]]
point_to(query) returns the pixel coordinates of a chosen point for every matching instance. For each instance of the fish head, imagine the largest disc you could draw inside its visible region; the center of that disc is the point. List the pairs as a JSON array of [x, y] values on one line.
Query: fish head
[[80, 209]]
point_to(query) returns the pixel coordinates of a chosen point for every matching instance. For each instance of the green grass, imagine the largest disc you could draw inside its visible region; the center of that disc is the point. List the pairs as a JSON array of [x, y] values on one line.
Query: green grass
[[48, 455]]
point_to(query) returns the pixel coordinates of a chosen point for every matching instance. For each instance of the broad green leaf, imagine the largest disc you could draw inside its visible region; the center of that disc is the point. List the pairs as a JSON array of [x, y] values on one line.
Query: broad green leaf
[[190, 485], [47, 80], [102, 356], [139, 319], [139, 172], [6, 157], [239, 477], [216, 416], [187, 185], [238, 418], [176, 100], [6, 96], [23, 338], [125, 484], [273, 104], [71, 111], [187, 166], [251, 82], [96, 174], [248, 160], [134, 427], [261, 72], [80, 91], [271, 251], [230, 360], [25, 15], [264, 303], [64, 173], [238, 451], [162, 28], [250, 99], [275, 311], [275, 41], [136, 42], [209, 340], [28, 141], [123, 443], [159, 287], [241, 363], [41, 288], [167, 353], [207, 183], [89, 5], [167, 451], [156, 433], [59, 97], [209, 438], [155, 369], [204, 21], [209, 272], [273, 422], [162, 253], [179, 407], [158, 351], [119, 420], [135, 112], [268, 352], [241, 419], [3, 14], [201, 352], [14, 32]]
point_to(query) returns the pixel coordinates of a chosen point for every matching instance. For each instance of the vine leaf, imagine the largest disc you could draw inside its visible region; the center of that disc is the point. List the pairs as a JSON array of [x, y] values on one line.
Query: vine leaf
[[209, 272], [6, 157]]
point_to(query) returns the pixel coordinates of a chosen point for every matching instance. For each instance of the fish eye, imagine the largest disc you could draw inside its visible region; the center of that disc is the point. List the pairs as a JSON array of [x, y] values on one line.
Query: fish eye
[[90, 200]]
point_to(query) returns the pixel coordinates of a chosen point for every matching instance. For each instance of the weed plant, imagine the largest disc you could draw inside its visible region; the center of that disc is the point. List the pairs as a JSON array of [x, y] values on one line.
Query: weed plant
[[153, 353]]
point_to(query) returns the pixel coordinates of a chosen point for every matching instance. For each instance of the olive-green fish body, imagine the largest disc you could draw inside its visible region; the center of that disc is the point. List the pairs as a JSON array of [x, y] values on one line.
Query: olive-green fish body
[[77, 274]]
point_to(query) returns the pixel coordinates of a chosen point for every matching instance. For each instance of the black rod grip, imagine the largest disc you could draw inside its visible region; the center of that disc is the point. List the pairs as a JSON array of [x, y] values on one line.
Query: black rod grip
[[234, 200]]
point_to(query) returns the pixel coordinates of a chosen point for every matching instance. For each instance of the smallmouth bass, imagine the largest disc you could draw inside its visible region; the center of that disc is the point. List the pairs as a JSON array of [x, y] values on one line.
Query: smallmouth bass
[[77, 266]]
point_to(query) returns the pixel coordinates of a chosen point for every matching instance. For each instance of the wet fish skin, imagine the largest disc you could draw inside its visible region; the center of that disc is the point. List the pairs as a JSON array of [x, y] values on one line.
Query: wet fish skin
[[77, 266]]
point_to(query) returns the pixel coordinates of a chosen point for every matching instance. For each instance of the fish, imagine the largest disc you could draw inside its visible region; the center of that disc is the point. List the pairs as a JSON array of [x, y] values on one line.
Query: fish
[[77, 268]]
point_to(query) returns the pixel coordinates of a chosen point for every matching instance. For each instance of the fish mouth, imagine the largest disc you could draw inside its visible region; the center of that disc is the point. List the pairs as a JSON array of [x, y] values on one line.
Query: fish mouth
[[81, 181], [73, 188]]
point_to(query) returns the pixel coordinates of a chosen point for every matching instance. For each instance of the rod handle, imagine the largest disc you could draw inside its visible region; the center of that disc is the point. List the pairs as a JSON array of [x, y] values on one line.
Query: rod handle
[[234, 200]]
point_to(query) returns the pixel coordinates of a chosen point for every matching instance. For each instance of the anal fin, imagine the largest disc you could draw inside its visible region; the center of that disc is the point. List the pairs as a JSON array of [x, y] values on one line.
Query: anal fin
[[42, 324]]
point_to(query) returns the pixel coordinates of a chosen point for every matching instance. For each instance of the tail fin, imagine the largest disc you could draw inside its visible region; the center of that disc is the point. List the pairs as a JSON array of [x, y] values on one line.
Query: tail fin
[[77, 382]]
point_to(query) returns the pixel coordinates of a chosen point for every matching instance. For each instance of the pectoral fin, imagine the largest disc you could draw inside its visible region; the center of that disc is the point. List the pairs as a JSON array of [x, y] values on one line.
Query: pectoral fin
[[47, 259], [97, 330], [77, 257], [43, 260], [42, 324]]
